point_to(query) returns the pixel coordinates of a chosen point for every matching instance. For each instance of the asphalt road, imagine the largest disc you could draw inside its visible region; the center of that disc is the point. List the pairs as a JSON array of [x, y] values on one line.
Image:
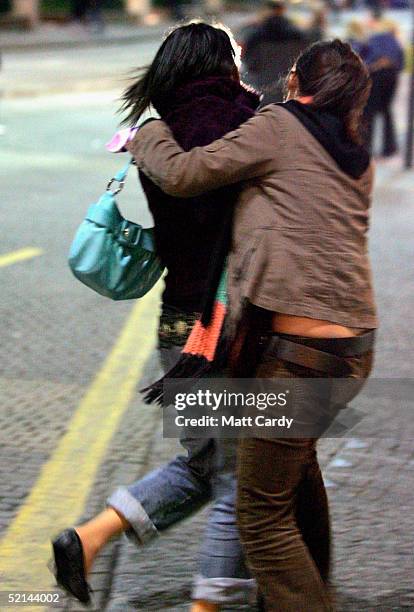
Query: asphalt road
[[64, 362], [73, 70]]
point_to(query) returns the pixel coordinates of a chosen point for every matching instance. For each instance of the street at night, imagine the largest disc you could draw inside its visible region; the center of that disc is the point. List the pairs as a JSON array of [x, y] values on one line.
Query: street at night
[[72, 424]]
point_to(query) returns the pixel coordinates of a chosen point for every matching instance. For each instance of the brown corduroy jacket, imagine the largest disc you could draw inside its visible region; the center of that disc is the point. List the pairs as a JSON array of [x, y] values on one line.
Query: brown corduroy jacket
[[301, 223]]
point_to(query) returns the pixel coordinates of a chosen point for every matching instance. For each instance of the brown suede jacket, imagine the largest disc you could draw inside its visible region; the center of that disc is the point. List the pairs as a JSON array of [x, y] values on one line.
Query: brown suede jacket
[[301, 222]]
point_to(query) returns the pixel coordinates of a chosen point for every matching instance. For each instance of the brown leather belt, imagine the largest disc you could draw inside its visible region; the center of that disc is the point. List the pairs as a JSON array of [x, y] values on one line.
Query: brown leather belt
[[322, 354]]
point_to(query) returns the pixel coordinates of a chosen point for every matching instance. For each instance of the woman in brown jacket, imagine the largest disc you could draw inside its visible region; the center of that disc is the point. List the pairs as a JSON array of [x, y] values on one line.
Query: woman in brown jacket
[[299, 275]]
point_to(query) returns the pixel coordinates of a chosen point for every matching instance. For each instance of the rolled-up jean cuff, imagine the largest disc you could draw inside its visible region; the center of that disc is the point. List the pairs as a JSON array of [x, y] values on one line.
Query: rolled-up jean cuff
[[224, 590], [142, 528]]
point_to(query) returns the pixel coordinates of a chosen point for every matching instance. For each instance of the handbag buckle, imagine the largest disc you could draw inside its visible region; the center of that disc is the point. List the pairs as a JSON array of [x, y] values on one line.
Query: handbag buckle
[[129, 234], [119, 189]]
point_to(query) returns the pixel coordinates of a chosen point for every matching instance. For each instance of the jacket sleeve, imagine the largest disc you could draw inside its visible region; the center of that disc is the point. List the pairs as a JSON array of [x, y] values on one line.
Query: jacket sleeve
[[243, 154]]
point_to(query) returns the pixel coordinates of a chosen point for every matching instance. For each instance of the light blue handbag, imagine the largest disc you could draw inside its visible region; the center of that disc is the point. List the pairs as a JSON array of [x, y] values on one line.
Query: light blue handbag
[[113, 256]]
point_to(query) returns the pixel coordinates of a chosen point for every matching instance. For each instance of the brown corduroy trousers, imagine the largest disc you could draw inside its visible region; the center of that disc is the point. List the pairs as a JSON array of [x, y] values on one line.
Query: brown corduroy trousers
[[282, 510]]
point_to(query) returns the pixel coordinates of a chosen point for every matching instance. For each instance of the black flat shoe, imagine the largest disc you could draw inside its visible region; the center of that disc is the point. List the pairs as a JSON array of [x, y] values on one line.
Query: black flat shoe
[[69, 565]]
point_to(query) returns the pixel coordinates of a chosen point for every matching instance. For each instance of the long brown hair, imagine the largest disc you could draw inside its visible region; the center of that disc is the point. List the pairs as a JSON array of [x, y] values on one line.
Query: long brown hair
[[338, 81]]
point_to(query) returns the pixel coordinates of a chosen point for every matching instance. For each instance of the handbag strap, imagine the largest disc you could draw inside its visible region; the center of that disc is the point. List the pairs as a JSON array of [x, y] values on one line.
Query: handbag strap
[[120, 178]]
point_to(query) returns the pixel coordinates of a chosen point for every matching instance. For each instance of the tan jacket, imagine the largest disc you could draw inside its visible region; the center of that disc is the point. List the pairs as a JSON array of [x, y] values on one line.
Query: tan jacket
[[300, 231]]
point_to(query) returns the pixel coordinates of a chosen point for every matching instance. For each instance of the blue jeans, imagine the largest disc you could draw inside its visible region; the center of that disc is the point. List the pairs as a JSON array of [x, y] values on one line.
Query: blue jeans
[[175, 491]]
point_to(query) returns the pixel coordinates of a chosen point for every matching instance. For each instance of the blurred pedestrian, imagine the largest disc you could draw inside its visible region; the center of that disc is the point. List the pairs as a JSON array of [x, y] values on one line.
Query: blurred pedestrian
[[318, 25], [78, 9], [384, 56], [303, 305], [193, 83], [177, 9], [275, 27], [94, 15], [269, 49], [88, 12]]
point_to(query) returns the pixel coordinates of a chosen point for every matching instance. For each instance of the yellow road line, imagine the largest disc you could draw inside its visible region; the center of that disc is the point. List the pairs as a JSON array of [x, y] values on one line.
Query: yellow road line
[[20, 255], [59, 495]]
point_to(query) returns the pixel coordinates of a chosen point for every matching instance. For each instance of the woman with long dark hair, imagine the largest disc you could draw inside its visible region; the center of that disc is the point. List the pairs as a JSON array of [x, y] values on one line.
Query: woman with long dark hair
[[300, 296], [193, 83]]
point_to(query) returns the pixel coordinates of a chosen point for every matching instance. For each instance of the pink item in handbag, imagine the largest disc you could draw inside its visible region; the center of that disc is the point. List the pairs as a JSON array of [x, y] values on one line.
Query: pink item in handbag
[[120, 139]]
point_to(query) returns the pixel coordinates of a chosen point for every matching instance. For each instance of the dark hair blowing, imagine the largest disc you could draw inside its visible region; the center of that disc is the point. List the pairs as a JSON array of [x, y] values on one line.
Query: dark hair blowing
[[338, 80], [190, 51]]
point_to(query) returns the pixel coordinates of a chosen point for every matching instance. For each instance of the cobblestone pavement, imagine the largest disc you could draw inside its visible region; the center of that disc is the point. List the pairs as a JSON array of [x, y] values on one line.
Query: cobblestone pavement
[[56, 334]]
